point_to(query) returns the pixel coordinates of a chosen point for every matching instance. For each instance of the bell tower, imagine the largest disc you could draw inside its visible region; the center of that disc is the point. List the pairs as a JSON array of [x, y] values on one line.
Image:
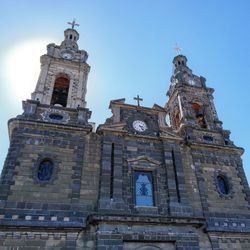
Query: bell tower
[[64, 72], [51, 143], [191, 106]]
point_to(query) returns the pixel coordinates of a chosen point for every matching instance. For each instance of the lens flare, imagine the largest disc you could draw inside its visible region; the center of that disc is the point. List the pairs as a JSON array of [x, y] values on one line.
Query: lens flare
[[22, 67]]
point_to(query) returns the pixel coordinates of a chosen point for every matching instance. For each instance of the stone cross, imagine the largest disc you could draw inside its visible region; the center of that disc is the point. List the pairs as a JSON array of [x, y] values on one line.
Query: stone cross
[[138, 99], [73, 24], [177, 49]]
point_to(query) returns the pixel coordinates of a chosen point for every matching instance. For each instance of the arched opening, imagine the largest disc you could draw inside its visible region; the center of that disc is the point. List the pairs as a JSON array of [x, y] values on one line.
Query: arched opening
[[222, 184], [199, 114], [60, 91]]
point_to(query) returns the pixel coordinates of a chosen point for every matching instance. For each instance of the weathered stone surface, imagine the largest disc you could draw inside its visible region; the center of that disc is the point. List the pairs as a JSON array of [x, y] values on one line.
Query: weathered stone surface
[[64, 186]]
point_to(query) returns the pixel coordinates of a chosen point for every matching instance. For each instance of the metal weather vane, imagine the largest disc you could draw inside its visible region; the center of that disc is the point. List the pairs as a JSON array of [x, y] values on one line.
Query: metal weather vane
[[177, 49], [73, 24]]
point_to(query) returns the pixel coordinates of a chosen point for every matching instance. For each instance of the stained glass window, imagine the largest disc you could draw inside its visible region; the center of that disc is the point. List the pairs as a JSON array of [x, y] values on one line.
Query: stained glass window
[[144, 189], [222, 184], [45, 170]]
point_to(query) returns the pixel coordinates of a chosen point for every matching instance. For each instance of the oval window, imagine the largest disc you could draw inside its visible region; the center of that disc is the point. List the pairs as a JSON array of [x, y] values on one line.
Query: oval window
[[56, 117], [45, 170], [222, 185]]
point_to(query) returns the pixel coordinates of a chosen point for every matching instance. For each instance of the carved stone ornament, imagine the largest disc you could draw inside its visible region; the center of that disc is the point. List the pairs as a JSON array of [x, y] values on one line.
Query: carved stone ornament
[[55, 116]]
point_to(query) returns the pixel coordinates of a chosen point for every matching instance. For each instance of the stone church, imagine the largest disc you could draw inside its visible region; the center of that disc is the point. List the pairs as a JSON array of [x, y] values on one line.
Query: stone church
[[158, 178]]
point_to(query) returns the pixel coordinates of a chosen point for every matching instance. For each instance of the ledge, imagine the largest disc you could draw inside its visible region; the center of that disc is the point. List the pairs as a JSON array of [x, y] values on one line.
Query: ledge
[[6, 223], [153, 219]]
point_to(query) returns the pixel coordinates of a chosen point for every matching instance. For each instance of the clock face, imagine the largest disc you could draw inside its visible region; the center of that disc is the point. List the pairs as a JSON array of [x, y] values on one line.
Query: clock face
[[191, 81], [67, 55], [140, 126]]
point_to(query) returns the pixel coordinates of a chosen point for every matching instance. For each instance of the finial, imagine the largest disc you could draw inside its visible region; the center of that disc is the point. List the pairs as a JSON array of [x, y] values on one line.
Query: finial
[[177, 49], [73, 24], [138, 99]]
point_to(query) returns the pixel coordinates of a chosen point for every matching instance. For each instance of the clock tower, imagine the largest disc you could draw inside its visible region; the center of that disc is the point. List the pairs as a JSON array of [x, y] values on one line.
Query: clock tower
[[191, 107], [64, 72], [53, 154]]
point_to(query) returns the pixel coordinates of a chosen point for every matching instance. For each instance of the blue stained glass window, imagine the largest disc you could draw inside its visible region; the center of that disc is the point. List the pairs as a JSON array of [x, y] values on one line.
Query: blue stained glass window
[[45, 170], [223, 187], [144, 189]]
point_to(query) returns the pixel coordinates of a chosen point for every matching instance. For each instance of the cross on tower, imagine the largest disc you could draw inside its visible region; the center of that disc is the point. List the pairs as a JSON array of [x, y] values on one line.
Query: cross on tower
[[138, 99], [177, 49], [73, 24]]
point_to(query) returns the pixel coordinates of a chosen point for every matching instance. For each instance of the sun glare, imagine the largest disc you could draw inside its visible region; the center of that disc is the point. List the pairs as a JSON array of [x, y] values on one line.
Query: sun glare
[[23, 67]]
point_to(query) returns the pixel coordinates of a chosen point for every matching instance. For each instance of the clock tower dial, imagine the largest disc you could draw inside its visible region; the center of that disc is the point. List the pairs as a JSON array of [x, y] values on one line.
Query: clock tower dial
[[67, 55], [140, 126]]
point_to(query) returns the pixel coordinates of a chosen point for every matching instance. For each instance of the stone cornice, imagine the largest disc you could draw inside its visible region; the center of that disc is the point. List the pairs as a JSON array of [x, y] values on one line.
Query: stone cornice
[[216, 147], [125, 218], [16, 122]]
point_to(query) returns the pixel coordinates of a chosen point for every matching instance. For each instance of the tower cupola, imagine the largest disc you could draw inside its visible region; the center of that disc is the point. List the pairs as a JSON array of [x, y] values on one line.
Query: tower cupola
[[71, 37], [180, 63]]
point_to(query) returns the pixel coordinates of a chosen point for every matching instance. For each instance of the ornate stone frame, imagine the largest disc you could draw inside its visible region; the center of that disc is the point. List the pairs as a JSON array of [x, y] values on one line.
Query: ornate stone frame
[[41, 158], [138, 164], [46, 115], [228, 182]]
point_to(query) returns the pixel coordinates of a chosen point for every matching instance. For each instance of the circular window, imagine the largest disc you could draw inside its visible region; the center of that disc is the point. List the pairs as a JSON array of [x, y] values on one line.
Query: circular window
[[222, 185], [56, 117], [45, 170]]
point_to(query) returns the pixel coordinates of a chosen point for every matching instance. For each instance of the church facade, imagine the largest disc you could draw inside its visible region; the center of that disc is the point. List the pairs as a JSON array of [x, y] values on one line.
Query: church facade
[[147, 179]]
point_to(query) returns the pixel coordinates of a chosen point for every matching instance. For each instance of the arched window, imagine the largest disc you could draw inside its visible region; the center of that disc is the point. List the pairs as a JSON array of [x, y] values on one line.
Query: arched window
[[199, 114], [222, 184], [45, 170], [144, 189], [60, 91]]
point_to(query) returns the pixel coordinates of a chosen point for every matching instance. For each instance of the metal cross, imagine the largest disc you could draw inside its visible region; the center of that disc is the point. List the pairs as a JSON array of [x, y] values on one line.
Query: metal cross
[[73, 24], [138, 99], [177, 49]]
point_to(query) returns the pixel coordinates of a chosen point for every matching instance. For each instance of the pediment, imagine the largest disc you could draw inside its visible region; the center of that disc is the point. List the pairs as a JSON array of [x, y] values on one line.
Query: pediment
[[143, 158]]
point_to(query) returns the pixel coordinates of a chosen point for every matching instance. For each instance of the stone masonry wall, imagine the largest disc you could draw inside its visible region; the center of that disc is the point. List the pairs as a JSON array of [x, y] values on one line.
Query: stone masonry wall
[[73, 191], [210, 162]]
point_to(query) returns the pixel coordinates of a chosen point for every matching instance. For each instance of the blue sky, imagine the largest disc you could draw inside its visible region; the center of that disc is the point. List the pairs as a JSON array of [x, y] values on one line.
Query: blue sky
[[130, 46]]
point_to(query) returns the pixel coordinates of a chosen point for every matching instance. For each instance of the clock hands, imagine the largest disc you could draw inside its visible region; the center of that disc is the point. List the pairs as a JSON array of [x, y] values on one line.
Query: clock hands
[[141, 126]]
